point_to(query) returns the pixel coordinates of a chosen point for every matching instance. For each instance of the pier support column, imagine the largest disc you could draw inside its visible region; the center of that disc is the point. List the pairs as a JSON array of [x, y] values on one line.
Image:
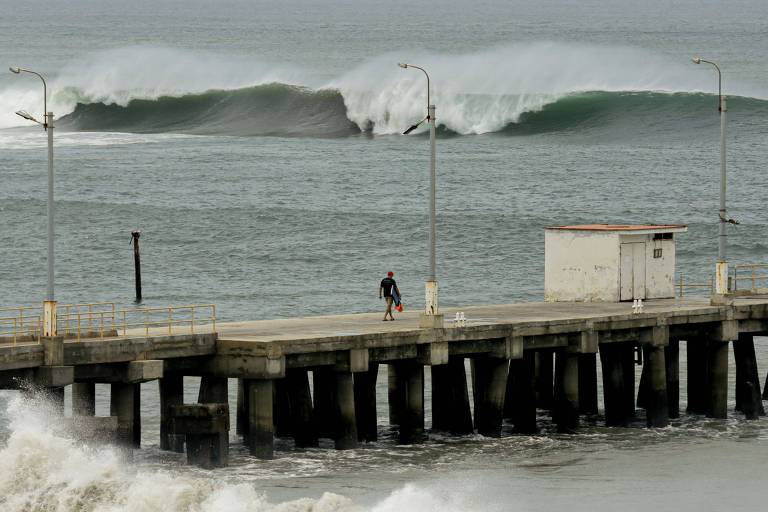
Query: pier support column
[[613, 385], [300, 413], [171, 394], [261, 435], [566, 412], [450, 398], [213, 390], [588, 384], [406, 395], [747, 378], [365, 403], [672, 360], [125, 404], [345, 435], [489, 379], [718, 379], [698, 375], [282, 412], [83, 399], [544, 378], [323, 400], [627, 354], [520, 401], [241, 421], [657, 411]]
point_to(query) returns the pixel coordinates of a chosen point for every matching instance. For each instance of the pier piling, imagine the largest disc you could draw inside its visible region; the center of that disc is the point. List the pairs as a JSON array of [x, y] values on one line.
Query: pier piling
[[171, 394], [323, 401], [206, 431], [300, 412], [261, 428], [746, 373], [566, 408], [365, 403], [406, 394], [83, 399], [614, 395], [588, 384], [125, 404], [698, 375], [520, 399], [672, 360], [450, 398], [489, 383], [544, 377], [345, 422], [718, 379], [657, 409]]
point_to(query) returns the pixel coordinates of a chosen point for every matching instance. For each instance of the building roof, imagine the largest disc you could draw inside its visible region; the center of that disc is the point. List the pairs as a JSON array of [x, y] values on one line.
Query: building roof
[[656, 228]]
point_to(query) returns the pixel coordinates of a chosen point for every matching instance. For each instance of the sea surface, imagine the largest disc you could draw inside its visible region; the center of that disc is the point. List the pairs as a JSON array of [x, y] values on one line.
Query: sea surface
[[257, 146]]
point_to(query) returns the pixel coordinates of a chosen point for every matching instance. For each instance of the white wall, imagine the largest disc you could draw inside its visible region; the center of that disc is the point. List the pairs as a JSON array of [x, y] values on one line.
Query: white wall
[[660, 272], [581, 266]]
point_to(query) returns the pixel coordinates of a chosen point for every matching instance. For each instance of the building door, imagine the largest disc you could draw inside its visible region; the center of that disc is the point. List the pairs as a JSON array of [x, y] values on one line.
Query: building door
[[632, 270]]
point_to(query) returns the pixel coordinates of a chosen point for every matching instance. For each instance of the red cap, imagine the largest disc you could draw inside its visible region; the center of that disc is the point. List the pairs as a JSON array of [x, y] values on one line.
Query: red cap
[[390, 273]]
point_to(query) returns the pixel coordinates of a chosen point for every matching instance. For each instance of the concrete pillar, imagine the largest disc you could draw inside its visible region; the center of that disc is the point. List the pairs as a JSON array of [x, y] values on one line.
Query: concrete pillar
[[241, 422], [746, 374], [282, 412], [55, 396], [698, 375], [520, 400], [566, 411], [171, 393], [345, 435], [672, 359], [489, 378], [544, 378], [301, 414], [657, 411], [450, 398], [83, 399], [124, 403], [406, 394], [627, 351], [588, 384], [206, 431], [213, 390], [365, 403], [718, 379], [644, 389], [261, 434], [323, 399], [614, 395]]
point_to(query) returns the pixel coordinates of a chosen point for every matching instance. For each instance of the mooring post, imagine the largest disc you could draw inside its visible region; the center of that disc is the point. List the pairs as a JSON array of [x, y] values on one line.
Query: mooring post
[[520, 401], [261, 435], [588, 384], [137, 262], [544, 378], [566, 411], [614, 396], [746, 373], [365, 403], [301, 415], [672, 359], [171, 393], [698, 375], [83, 399], [450, 398], [489, 378]]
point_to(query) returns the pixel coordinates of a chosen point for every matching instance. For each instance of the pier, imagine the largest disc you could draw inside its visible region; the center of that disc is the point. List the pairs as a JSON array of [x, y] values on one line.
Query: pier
[[313, 378]]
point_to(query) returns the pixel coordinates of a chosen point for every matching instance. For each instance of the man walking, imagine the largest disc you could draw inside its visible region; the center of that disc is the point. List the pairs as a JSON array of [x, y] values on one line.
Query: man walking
[[388, 289]]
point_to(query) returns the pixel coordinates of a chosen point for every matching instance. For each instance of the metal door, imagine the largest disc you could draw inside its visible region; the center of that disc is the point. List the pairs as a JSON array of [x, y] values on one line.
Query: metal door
[[632, 271]]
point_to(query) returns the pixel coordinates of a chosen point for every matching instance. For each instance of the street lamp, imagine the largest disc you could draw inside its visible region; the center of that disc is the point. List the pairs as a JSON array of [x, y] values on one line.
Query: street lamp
[[431, 316], [49, 305], [721, 270]]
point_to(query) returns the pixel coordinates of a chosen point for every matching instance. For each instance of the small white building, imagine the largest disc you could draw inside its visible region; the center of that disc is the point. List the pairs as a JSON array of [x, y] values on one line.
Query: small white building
[[609, 263]]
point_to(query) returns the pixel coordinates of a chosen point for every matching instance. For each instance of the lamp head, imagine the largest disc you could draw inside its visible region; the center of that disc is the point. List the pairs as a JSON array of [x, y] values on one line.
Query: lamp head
[[15, 70], [26, 115], [696, 60], [404, 66]]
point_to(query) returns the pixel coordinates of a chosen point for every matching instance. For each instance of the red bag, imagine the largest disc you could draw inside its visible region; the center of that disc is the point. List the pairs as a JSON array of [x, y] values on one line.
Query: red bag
[[399, 307]]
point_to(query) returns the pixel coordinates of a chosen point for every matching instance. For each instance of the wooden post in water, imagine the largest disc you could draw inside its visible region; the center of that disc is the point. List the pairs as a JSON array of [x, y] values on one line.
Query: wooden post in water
[[137, 262]]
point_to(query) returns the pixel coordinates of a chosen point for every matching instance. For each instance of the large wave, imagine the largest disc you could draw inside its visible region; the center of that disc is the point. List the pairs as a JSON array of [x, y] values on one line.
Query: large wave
[[513, 89]]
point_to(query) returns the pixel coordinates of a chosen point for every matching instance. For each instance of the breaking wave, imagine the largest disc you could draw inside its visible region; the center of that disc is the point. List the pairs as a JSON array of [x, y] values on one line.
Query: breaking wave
[[515, 89]]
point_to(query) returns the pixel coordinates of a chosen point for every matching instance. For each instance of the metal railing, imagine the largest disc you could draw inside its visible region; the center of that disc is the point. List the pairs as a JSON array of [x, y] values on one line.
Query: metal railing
[[754, 274], [99, 320], [694, 288]]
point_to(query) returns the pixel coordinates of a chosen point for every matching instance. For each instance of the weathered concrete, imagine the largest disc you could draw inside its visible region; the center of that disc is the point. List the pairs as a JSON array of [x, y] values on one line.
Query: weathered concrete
[[545, 378], [345, 421], [520, 400], [83, 399], [261, 427], [206, 430], [450, 398], [672, 360], [566, 411], [407, 389], [125, 404], [614, 395], [657, 410], [489, 384], [588, 384], [746, 373], [718, 379], [171, 394], [213, 390], [365, 403], [300, 412]]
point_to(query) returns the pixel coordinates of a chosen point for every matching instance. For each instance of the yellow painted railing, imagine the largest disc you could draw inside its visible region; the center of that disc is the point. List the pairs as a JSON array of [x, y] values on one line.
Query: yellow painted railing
[[683, 285], [104, 319], [754, 274]]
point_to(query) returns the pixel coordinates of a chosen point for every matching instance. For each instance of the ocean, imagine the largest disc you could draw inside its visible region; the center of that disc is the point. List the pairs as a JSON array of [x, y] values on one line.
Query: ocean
[[257, 145]]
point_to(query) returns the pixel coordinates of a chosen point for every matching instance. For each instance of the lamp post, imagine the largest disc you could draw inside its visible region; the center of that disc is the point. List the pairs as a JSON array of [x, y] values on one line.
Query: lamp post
[[431, 316], [49, 305], [721, 270]]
